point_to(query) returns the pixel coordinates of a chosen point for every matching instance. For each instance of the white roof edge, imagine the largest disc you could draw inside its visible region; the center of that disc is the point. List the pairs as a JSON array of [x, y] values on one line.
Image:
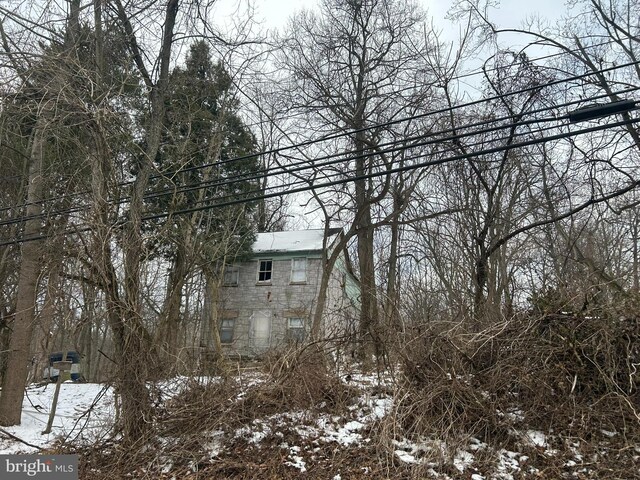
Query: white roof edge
[[290, 241]]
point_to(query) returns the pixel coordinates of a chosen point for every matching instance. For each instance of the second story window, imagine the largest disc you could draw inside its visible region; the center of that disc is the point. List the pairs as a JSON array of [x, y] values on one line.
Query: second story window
[[265, 269], [298, 270], [231, 275]]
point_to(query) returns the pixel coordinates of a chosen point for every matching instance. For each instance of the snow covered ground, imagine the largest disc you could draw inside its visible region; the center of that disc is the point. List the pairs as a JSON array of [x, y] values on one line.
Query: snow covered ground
[[84, 413], [303, 440]]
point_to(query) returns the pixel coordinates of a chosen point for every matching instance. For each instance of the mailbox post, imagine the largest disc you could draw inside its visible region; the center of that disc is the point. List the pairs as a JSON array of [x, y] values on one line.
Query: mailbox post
[[63, 367]]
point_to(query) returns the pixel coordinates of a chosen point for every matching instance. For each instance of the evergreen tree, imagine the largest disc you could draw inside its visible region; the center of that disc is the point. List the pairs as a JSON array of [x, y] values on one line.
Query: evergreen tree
[[204, 136], [207, 157]]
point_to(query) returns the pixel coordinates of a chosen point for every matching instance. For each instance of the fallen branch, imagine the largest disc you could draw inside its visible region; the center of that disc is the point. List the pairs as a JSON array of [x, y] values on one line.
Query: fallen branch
[[12, 436]]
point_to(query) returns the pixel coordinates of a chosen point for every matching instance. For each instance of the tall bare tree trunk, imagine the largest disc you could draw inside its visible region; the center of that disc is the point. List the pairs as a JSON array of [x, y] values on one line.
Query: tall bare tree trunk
[[392, 299], [213, 357], [88, 331], [328, 263], [369, 335], [634, 239], [15, 378], [132, 341]]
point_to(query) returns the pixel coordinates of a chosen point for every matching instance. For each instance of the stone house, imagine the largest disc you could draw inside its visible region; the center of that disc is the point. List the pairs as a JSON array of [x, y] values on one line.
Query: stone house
[[269, 300]]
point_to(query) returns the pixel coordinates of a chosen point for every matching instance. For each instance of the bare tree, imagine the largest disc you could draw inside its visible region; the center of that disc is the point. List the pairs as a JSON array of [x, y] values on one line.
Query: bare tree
[[355, 66]]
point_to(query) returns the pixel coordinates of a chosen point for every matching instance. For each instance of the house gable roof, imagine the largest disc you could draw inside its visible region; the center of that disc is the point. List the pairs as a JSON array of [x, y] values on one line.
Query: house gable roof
[[291, 242]]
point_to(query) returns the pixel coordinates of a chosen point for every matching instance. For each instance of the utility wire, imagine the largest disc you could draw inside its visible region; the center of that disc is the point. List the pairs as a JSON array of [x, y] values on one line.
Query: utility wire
[[388, 147], [316, 163], [448, 109], [397, 146], [389, 171], [368, 128], [344, 173], [400, 169], [382, 149], [337, 159], [478, 71], [384, 169]]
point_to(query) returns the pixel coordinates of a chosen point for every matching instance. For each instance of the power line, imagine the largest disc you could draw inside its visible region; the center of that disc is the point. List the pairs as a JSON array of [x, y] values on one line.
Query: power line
[[345, 173], [448, 109], [389, 171], [288, 169], [386, 169], [306, 164], [394, 146], [478, 71], [472, 73], [385, 148], [405, 168], [335, 136]]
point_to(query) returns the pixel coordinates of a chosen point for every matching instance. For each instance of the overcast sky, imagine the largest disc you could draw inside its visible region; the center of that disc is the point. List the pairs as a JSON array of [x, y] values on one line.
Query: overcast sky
[[509, 13]]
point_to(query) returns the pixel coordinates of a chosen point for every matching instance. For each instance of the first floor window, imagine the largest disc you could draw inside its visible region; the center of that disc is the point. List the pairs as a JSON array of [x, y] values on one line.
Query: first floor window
[[265, 269], [226, 330], [295, 329]]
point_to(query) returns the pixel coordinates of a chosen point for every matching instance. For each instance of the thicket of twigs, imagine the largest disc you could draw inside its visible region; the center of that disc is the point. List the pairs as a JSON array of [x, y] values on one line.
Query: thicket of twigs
[[300, 379], [207, 410], [571, 375]]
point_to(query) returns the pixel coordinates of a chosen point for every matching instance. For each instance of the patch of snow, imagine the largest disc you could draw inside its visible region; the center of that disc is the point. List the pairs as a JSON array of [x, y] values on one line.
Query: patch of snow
[[329, 432], [406, 457], [515, 415], [295, 460], [346, 435], [412, 452], [536, 438], [441, 476], [462, 460], [380, 407], [507, 463], [215, 446], [353, 426], [475, 444]]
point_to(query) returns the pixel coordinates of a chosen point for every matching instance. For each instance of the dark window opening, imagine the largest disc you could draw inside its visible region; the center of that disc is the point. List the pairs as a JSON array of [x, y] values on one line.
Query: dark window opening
[[265, 270]]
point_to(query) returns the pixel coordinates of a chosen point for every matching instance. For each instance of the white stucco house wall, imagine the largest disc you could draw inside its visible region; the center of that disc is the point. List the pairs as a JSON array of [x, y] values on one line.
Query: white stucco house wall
[[268, 301]]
